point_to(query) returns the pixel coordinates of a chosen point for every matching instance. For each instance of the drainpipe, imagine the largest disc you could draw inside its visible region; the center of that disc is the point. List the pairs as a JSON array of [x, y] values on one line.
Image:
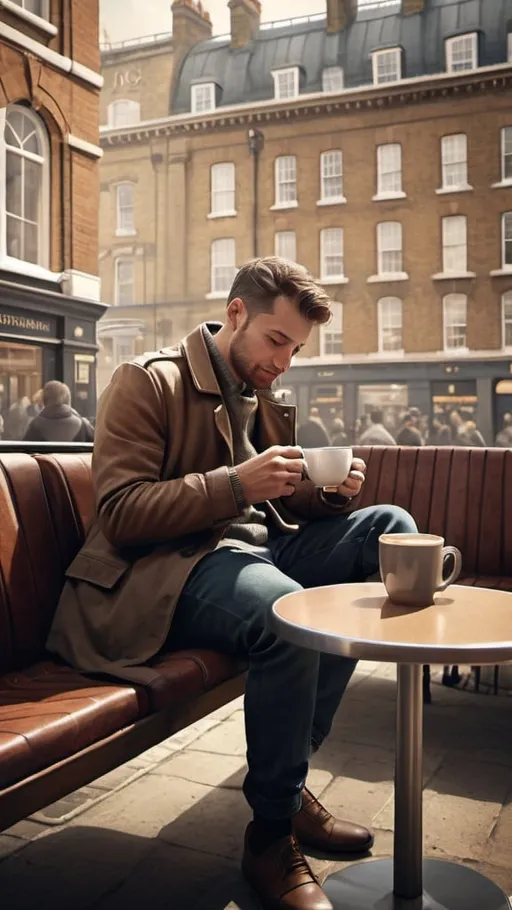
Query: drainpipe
[[256, 141]]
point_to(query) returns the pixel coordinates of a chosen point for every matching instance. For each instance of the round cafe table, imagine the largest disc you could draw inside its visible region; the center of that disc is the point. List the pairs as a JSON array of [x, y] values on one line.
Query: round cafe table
[[465, 625]]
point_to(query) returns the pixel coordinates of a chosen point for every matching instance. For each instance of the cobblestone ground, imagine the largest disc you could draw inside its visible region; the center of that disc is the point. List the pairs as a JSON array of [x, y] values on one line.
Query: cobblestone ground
[[165, 830]]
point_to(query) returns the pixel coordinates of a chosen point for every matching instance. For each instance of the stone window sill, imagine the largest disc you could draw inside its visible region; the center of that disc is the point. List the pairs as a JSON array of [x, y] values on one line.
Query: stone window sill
[[390, 276], [42, 24], [453, 276], [446, 190], [334, 200], [230, 214], [387, 197]]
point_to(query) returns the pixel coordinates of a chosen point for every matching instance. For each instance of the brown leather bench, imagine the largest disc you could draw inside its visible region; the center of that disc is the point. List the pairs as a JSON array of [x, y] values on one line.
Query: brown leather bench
[[59, 730]]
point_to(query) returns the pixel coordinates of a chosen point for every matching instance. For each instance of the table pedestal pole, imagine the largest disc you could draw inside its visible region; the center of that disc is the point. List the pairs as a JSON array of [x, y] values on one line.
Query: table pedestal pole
[[408, 882]]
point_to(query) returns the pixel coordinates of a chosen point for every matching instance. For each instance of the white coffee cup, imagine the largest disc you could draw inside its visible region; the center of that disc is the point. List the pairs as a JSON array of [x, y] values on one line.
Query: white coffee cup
[[328, 466]]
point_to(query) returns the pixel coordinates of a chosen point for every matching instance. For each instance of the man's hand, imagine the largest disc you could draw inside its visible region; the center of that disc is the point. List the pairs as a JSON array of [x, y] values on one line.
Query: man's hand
[[352, 485], [271, 474]]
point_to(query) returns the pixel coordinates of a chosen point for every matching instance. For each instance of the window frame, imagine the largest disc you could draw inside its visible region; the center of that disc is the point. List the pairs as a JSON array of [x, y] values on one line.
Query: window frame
[[216, 169], [462, 185], [119, 262], [286, 71], [380, 325], [451, 43], [509, 47], [325, 276], [450, 298], [506, 266], [505, 155], [380, 251], [44, 223], [326, 335], [288, 234], [194, 91], [120, 230], [506, 300], [445, 222], [335, 199], [382, 193], [215, 291], [382, 54], [39, 20], [133, 104], [278, 183], [333, 69]]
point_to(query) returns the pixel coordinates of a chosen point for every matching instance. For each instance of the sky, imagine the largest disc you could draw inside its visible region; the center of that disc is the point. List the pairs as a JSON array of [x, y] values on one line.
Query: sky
[[123, 19]]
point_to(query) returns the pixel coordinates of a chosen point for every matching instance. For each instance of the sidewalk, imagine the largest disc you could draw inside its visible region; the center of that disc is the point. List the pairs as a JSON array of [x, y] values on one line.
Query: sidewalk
[[165, 831]]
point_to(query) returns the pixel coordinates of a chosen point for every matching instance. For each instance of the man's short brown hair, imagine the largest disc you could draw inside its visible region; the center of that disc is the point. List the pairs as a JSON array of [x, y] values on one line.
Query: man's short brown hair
[[261, 281]]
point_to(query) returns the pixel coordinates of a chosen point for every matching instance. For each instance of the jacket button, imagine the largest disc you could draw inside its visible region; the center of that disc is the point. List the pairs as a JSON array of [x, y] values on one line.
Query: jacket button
[[189, 551], [286, 414]]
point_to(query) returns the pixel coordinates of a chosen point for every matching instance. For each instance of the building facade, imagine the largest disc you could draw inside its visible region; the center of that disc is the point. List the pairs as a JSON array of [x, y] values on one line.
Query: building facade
[[374, 145], [49, 181]]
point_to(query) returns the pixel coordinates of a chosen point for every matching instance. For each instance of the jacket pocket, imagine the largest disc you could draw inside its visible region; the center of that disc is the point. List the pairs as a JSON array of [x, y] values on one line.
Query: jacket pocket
[[103, 572]]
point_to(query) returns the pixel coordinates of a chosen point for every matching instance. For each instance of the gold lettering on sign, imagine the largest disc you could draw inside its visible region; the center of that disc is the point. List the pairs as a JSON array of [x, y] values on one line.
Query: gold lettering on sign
[[22, 322]]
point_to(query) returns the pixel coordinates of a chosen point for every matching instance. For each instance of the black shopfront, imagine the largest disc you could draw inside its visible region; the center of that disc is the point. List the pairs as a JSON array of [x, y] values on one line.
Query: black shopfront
[[45, 335]]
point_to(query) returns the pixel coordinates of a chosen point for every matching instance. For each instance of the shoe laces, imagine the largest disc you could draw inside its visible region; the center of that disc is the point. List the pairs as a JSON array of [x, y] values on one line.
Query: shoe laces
[[294, 861], [313, 803]]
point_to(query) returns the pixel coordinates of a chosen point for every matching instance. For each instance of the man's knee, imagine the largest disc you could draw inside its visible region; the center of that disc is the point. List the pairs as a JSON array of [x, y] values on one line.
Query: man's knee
[[394, 520]]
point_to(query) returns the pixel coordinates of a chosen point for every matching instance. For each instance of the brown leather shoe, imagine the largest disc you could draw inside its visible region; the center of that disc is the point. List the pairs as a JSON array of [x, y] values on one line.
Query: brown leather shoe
[[282, 878], [315, 827]]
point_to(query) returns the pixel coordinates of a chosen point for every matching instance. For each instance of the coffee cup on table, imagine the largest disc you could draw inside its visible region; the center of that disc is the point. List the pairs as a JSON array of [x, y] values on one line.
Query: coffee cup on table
[[412, 567], [329, 466]]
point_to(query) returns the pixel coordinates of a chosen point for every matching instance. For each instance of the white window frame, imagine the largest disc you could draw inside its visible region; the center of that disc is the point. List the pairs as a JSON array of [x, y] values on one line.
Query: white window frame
[[332, 248], [331, 335], [460, 299], [119, 341], [223, 198], [132, 105], [291, 75], [385, 55], [121, 207], [506, 132], [392, 245], [285, 245], [219, 289], [204, 105], [387, 309], [509, 47], [454, 154], [331, 169], [387, 168], [12, 263], [506, 228], [119, 262], [451, 49], [506, 319], [290, 179], [40, 20], [333, 79], [455, 263]]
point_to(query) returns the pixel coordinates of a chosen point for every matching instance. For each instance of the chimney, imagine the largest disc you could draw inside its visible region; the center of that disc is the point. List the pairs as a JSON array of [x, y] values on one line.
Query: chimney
[[245, 21], [410, 7], [190, 23], [340, 13]]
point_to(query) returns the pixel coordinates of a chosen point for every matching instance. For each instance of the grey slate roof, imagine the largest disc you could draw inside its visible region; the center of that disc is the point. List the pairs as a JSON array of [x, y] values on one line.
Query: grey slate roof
[[246, 75]]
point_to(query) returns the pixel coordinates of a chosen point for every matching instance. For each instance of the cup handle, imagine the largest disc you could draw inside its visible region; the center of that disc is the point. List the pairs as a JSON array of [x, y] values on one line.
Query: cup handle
[[457, 567]]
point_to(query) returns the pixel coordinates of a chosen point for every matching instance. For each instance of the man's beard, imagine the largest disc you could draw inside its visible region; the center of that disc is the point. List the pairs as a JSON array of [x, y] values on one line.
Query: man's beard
[[245, 370]]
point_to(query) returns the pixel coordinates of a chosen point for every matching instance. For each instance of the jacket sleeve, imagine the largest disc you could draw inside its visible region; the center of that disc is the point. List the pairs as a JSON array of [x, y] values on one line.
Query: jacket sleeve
[[32, 433], [135, 506]]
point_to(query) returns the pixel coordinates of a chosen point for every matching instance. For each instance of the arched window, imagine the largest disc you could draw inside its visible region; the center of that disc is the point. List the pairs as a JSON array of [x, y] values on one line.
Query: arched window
[[123, 112], [24, 186]]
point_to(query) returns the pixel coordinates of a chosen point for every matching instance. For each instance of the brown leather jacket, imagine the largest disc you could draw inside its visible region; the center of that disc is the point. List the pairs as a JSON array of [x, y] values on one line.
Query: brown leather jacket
[[163, 500]]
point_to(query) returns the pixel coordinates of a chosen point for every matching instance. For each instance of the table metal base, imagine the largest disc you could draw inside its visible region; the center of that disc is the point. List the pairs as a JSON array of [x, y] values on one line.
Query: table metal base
[[447, 886]]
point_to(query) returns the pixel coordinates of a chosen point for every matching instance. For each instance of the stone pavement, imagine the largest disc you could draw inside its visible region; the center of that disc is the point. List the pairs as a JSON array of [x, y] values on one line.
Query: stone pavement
[[165, 831]]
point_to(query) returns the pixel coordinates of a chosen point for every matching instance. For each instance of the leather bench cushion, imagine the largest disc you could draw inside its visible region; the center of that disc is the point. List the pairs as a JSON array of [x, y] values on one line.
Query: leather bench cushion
[[49, 712], [485, 581]]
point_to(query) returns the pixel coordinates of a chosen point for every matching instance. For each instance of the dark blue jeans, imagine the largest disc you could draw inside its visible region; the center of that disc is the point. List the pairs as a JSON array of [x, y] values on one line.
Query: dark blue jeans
[[292, 694]]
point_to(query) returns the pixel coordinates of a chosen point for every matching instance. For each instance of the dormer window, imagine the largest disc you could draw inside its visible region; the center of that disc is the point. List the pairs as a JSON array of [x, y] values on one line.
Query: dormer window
[[332, 79], [462, 53], [387, 65], [203, 97], [286, 83]]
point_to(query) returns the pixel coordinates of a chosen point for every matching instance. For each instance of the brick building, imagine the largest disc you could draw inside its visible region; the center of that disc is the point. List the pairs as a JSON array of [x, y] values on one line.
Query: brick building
[[373, 144], [49, 180]]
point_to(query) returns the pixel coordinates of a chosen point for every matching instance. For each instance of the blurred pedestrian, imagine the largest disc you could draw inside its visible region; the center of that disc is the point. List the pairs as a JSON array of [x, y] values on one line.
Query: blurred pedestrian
[[313, 433], [409, 435], [58, 421], [376, 434], [504, 437]]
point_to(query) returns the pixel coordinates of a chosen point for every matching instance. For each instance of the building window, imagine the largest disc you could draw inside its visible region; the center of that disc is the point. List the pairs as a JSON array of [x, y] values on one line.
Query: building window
[[389, 315], [286, 181], [389, 248], [122, 349], [331, 177], [387, 65], [454, 159], [286, 83], [123, 112], [36, 7], [223, 189], [285, 245], [331, 335], [506, 304], [125, 282], [455, 321], [509, 47], [24, 187], [203, 97], [506, 153], [389, 170], [223, 265], [455, 247], [506, 229], [125, 209], [331, 254], [462, 53], [332, 79]]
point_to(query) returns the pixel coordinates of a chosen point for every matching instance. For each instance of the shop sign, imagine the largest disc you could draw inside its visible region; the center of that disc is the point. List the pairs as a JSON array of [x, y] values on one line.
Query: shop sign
[[29, 324]]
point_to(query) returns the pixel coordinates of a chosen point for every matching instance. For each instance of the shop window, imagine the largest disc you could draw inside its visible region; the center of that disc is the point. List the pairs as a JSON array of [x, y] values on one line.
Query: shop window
[[123, 112], [506, 303], [223, 268], [24, 187], [285, 245], [389, 313], [286, 181], [125, 204], [222, 189], [455, 321], [331, 334]]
